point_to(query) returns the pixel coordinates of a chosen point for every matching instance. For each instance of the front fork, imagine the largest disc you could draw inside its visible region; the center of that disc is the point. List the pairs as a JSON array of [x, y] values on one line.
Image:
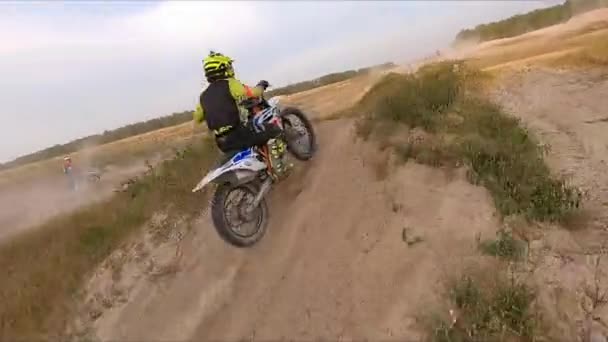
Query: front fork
[[264, 189]]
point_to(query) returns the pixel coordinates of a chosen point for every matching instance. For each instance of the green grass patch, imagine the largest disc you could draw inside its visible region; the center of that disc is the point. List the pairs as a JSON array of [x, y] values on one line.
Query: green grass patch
[[415, 100], [491, 308], [504, 246], [505, 158], [45, 266], [434, 152], [443, 99]]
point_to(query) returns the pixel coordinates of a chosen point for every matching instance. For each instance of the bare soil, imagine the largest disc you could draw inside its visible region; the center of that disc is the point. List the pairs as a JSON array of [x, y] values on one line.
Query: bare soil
[[352, 252]]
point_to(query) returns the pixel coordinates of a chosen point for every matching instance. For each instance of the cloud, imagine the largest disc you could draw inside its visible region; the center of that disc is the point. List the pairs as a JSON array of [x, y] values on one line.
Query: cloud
[[76, 68], [193, 24], [404, 31]]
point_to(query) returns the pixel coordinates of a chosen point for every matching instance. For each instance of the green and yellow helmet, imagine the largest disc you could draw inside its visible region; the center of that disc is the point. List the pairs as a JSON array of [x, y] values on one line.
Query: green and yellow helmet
[[217, 66]]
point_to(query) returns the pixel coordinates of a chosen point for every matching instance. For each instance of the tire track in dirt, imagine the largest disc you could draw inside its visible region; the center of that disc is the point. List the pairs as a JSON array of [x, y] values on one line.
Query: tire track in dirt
[[348, 274], [333, 264]]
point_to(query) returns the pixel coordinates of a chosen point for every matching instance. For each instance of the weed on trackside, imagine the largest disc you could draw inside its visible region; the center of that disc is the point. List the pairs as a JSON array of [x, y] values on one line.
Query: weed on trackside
[[45, 267], [487, 308], [504, 246]]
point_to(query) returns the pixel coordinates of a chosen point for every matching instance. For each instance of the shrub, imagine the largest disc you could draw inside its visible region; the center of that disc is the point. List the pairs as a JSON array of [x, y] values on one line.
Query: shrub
[[501, 154]]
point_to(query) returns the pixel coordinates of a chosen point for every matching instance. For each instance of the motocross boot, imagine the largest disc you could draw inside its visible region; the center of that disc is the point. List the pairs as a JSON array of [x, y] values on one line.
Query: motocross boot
[[280, 166]]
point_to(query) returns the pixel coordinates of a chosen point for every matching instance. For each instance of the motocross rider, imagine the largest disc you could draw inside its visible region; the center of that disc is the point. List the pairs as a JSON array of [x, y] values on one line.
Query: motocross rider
[[219, 108], [67, 164], [68, 171]]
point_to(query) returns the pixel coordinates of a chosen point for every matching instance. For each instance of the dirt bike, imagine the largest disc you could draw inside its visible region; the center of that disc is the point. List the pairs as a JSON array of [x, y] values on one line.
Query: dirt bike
[[78, 178], [245, 178], [93, 176]]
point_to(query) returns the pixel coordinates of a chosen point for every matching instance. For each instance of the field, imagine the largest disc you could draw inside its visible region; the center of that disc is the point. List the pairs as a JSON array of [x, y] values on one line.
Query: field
[[463, 202], [580, 42]]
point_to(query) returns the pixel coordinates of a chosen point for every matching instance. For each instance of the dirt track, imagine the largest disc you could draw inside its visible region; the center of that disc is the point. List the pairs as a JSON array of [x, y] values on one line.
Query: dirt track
[[23, 206], [333, 265], [358, 248]]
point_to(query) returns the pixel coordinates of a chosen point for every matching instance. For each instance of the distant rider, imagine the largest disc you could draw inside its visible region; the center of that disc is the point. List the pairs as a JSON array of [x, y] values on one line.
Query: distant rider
[[67, 164], [68, 170], [219, 108]]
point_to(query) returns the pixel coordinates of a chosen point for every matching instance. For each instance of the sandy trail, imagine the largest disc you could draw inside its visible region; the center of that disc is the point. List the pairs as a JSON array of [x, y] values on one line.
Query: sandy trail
[[333, 264]]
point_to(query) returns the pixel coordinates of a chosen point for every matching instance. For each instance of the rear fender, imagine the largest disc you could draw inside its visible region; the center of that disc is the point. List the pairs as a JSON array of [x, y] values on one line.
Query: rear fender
[[233, 177]]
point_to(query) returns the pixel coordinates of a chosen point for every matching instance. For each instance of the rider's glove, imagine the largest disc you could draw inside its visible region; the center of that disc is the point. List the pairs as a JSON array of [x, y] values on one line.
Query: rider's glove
[[263, 84]]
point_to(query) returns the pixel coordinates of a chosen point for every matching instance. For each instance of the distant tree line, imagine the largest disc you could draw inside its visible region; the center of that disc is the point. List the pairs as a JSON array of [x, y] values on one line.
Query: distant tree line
[[171, 120], [522, 23], [98, 139], [327, 79]]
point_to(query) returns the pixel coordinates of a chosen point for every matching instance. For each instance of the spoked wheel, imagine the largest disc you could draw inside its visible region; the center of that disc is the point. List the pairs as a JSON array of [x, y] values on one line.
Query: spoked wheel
[[233, 221], [299, 134]]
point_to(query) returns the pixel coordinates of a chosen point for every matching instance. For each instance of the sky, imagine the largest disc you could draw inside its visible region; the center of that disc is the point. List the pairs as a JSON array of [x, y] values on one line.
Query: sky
[[75, 68]]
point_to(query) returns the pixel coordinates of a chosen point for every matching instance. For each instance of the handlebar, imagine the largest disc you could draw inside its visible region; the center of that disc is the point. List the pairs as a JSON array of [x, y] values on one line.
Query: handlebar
[[251, 102]]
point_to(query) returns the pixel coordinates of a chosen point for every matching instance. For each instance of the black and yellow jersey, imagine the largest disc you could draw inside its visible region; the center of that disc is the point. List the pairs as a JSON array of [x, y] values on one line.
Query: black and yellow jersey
[[218, 104]]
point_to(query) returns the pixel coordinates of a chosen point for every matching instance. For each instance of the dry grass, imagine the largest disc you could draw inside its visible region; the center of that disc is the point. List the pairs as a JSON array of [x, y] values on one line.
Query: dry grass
[[592, 51], [44, 268]]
